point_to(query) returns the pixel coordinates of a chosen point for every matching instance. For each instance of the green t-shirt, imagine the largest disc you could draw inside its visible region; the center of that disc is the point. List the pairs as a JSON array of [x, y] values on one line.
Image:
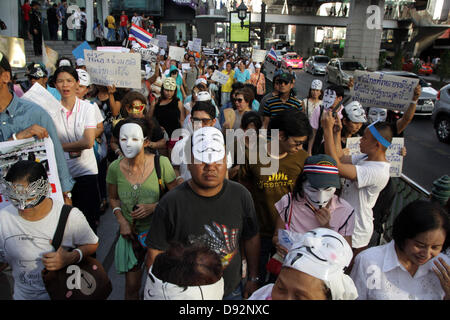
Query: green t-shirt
[[147, 193]]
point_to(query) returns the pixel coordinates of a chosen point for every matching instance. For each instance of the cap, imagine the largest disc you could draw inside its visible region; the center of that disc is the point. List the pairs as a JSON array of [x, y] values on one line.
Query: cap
[[203, 96], [208, 145], [201, 80], [37, 71], [83, 76], [321, 171], [64, 62], [257, 66], [80, 62], [170, 84], [285, 77], [355, 112], [316, 85]]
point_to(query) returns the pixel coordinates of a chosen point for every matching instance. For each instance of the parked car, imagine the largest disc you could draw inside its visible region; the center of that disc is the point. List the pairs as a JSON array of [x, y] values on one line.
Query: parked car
[[340, 70], [441, 114], [427, 99], [292, 59], [317, 64]]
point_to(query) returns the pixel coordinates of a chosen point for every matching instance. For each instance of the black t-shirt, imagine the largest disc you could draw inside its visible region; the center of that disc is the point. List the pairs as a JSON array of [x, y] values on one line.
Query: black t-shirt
[[221, 222]]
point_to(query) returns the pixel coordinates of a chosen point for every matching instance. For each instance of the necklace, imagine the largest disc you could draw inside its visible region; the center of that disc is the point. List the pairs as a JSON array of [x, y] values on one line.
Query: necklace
[[130, 173]]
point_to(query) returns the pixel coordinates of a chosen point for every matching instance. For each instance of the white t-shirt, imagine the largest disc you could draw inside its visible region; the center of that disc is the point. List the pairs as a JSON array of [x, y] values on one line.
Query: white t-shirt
[[23, 244], [70, 127], [362, 194], [263, 293], [137, 21], [378, 275]]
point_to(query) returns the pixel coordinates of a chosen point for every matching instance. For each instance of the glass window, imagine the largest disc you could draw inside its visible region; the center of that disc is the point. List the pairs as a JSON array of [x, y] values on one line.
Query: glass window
[[351, 66]]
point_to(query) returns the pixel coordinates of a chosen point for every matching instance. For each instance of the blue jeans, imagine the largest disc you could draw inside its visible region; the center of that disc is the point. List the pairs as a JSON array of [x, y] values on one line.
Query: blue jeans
[[111, 34], [123, 31], [236, 294]]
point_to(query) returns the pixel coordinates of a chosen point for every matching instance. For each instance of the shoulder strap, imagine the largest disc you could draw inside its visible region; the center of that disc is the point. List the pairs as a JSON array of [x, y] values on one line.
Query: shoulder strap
[[158, 172], [59, 233]]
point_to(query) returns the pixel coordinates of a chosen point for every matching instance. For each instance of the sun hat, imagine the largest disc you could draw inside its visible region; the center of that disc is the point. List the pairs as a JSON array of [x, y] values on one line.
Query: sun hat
[[322, 172], [355, 112], [170, 84]]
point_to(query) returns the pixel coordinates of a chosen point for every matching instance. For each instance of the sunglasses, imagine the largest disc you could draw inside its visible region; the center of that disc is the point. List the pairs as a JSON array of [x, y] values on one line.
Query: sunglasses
[[204, 121], [238, 100], [299, 143], [280, 82]]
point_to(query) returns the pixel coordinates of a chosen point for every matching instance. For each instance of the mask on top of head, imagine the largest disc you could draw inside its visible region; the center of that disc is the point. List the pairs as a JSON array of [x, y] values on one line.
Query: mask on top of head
[[131, 139], [320, 197], [25, 197], [376, 114]]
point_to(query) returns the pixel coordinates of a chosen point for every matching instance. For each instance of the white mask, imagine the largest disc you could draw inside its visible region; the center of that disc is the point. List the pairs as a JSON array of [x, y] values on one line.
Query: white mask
[[319, 198], [131, 139], [376, 114], [329, 97]]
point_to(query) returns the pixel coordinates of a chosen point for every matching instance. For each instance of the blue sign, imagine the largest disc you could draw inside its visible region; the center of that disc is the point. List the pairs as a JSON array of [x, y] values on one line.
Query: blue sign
[[78, 52]]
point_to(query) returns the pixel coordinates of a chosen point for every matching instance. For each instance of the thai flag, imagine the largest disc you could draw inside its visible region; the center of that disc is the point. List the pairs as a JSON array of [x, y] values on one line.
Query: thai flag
[[272, 54], [139, 35]]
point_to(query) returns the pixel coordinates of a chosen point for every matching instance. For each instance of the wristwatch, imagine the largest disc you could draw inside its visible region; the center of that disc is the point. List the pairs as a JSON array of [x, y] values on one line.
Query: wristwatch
[[253, 279], [67, 195]]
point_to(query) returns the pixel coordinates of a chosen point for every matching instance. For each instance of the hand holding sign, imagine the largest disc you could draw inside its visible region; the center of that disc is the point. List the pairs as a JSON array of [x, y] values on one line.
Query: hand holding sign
[[176, 53]]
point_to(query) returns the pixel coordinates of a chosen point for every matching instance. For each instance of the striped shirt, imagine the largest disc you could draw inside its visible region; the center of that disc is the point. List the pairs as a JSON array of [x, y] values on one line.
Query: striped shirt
[[274, 106]]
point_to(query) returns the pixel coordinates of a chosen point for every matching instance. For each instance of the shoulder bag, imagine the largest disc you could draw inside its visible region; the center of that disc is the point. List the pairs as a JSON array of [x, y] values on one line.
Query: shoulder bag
[[86, 280]]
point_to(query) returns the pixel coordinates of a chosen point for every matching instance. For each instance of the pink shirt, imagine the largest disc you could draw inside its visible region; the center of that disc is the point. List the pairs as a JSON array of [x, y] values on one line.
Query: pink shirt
[[303, 218]]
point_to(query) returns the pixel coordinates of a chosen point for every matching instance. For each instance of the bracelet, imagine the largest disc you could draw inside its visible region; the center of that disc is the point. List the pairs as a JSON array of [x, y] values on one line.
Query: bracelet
[[115, 209], [178, 178], [80, 253], [14, 136], [415, 101]]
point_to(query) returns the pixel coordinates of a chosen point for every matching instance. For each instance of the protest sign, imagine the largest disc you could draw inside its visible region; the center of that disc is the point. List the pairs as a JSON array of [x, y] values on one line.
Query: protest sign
[[259, 55], [162, 40], [393, 153], [190, 45], [49, 57], [78, 52], [113, 49], [185, 66], [197, 45], [38, 94], [374, 89], [147, 54], [154, 41], [176, 53], [30, 149], [219, 77], [14, 49], [113, 68]]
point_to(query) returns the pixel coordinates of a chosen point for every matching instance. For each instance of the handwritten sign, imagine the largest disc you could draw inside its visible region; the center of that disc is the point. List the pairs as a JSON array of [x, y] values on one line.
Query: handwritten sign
[[197, 45], [259, 55], [162, 40], [147, 54], [373, 89], [113, 49], [176, 53], [219, 77], [154, 42], [114, 68], [393, 153], [190, 45]]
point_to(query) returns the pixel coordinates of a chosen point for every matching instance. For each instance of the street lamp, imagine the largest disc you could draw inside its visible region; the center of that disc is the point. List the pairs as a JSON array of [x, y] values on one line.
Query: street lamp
[[242, 13]]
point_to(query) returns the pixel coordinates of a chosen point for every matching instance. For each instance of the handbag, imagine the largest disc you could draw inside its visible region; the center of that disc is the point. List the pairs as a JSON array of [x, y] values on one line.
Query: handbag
[[86, 280]]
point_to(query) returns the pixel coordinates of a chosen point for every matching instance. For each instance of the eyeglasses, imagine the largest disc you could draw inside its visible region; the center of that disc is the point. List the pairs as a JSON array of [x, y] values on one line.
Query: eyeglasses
[[204, 121], [238, 100], [280, 82], [299, 143]]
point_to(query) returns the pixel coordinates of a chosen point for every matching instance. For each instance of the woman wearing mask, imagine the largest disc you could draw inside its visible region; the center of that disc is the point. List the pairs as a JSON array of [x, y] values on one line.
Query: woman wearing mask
[[76, 125], [168, 110], [28, 225], [314, 203], [134, 192], [314, 99]]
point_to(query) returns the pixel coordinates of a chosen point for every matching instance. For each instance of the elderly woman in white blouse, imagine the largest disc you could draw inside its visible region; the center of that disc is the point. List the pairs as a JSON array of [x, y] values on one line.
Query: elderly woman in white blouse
[[411, 266]]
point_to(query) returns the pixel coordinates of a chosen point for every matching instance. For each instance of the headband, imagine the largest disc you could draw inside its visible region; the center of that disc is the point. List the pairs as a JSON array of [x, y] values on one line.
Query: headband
[[377, 135], [320, 168]]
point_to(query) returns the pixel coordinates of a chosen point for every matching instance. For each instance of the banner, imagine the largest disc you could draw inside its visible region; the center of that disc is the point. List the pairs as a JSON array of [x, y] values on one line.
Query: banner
[[219, 77], [176, 53], [30, 149], [373, 89], [238, 34], [393, 153], [14, 49], [259, 55], [113, 68]]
